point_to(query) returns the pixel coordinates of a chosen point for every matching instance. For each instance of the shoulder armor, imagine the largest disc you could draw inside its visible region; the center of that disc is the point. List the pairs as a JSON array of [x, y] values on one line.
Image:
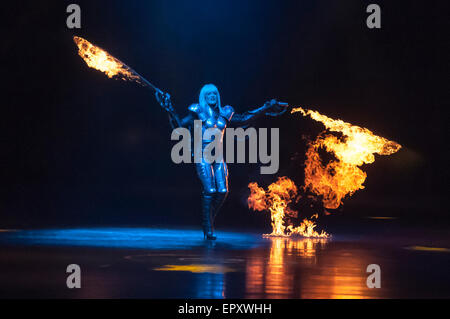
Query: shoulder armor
[[227, 112], [194, 108]]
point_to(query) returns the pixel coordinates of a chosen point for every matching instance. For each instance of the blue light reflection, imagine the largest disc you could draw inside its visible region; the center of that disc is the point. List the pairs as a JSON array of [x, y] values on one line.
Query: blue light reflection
[[139, 238]]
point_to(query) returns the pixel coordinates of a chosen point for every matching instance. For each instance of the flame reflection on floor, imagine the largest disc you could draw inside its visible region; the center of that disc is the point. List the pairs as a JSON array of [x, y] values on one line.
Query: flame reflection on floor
[[432, 249], [337, 276], [196, 268]]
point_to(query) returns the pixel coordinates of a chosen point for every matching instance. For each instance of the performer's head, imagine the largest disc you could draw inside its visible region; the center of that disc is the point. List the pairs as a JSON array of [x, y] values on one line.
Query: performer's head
[[209, 95]]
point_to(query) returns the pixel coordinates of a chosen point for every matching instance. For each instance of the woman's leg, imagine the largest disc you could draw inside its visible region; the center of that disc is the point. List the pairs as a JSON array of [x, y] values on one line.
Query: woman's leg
[[221, 179], [206, 174]]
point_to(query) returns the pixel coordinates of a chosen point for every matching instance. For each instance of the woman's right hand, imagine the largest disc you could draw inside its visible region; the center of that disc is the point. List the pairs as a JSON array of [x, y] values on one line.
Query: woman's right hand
[[164, 100]]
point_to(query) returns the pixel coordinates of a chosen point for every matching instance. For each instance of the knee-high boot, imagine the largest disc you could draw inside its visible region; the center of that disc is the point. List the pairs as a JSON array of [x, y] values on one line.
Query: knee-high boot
[[219, 199], [207, 207]]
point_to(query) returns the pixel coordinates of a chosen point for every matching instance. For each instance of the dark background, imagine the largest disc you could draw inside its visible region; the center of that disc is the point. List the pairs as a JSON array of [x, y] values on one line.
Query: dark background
[[81, 149]]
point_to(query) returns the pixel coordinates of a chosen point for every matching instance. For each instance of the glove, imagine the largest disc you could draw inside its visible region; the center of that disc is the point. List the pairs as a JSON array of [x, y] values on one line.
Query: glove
[[276, 107], [164, 100]]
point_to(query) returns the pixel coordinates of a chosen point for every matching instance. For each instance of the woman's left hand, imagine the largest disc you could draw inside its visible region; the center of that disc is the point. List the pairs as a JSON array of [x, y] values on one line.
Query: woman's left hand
[[276, 107]]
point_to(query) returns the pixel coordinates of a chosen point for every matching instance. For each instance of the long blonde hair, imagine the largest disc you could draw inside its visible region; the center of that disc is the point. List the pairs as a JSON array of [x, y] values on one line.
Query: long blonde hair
[[202, 97]]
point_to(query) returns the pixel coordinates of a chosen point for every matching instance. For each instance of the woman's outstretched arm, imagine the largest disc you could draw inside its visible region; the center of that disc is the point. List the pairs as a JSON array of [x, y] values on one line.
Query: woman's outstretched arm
[[272, 108], [175, 121]]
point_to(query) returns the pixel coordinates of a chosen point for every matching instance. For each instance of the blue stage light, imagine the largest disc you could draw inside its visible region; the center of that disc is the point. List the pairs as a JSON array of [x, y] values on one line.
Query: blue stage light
[[139, 238]]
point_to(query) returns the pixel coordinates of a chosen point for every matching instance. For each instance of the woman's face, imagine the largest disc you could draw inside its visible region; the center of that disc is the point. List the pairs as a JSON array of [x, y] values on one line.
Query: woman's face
[[211, 98]]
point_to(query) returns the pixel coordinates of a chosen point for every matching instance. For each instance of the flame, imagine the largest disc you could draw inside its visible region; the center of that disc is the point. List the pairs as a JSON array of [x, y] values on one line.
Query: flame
[[341, 177], [99, 59], [276, 200]]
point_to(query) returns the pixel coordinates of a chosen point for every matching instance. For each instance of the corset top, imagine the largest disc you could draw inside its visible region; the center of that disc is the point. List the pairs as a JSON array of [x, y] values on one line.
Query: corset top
[[211, 118]]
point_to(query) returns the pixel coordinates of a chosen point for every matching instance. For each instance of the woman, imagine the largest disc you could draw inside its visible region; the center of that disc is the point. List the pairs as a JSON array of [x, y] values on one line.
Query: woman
[[214, 176]]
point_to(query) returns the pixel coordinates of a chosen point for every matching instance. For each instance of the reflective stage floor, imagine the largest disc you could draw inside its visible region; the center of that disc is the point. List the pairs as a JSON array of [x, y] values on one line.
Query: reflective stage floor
[[178, 263]]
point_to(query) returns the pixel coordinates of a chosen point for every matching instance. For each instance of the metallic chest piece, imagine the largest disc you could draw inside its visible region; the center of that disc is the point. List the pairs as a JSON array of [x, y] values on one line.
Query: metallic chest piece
[[214, 121], [209, 118]]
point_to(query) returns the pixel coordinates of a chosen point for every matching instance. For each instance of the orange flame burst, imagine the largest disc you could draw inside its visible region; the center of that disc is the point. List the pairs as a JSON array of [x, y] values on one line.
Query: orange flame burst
[[342, 176], [99, 59], [276, 199]]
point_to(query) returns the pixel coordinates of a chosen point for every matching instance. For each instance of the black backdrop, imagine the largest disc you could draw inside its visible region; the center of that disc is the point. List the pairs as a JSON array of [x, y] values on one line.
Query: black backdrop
[[81, 149]]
